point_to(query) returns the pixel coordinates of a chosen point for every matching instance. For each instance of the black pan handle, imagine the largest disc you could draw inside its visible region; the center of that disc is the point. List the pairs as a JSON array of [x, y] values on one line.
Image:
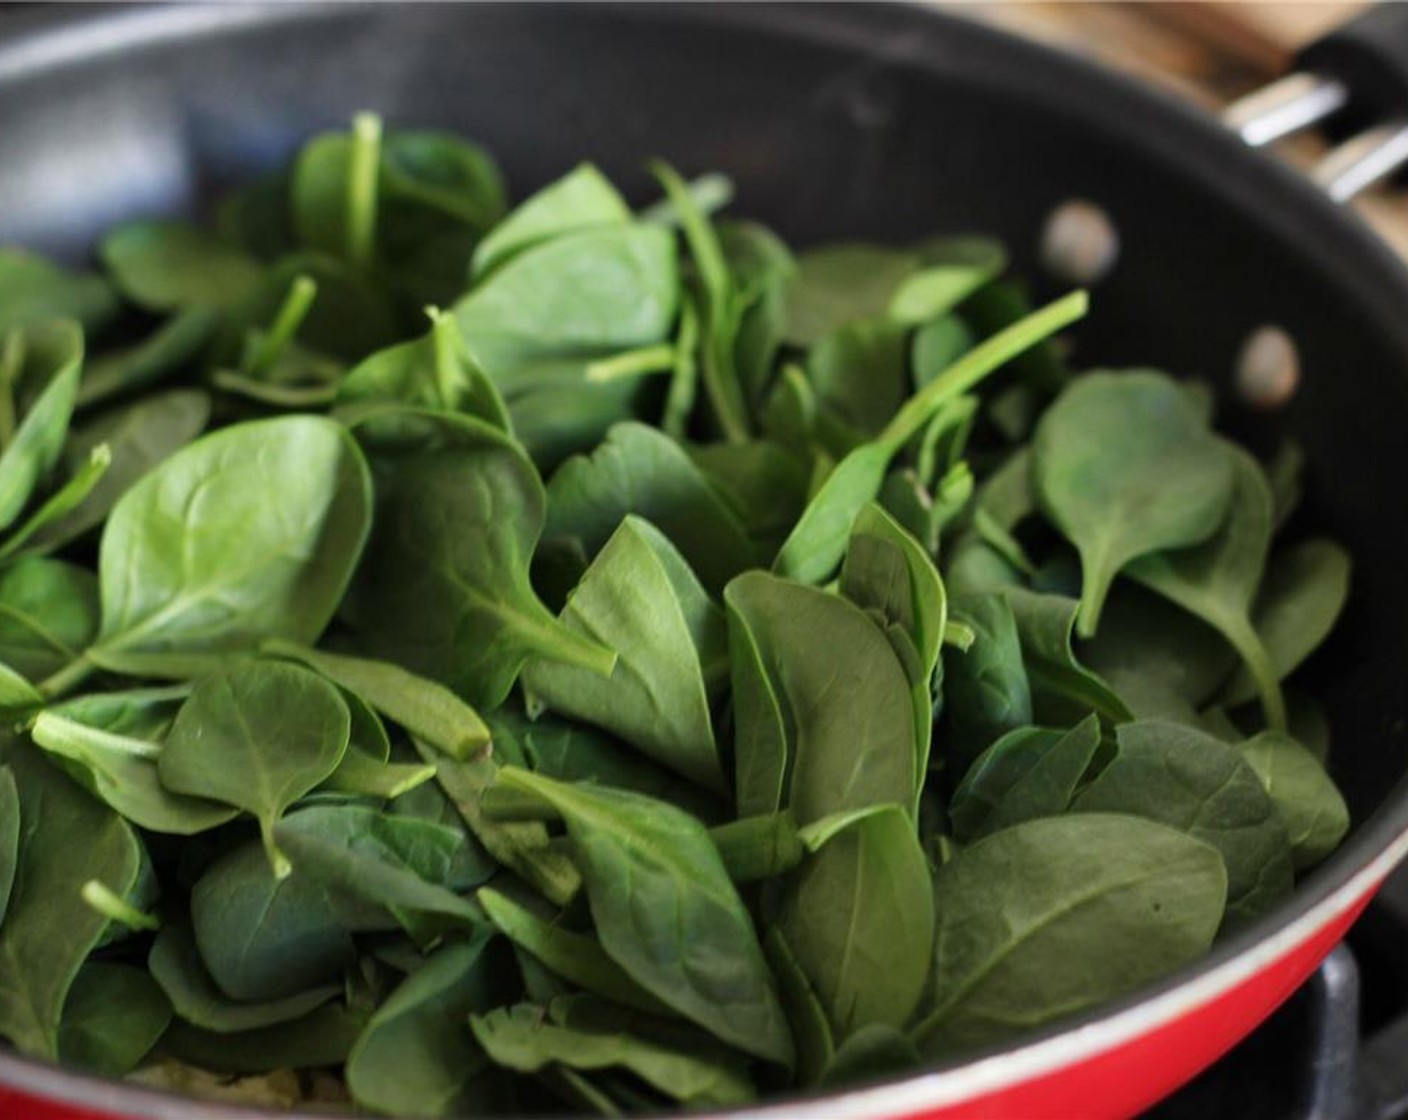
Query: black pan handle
[[1354, 83], [1368, 57]]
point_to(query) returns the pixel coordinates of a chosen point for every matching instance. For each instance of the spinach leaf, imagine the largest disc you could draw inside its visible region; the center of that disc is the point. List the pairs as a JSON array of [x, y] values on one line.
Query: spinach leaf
[[764, 486], [251, 532], [429, 711], [637, 470], [334, 191], [66, 839], [1161, 661], [640, 598], [986, 689], [138, 437], [860, 375], [576, 957], [9, 836], [48, 614], [1218, 580], [1305, 589], [868, 885], [873, 1052], [823, 715], [839, 284], [258, 737], [434, 371], [1125, 465], [417, 1055], [521, 846], [168, 266], [120, 767], [1314, 812], [444, 587], [522, 1038], [582, 199], [1033, 926], [1188, 780], [667, 913], [323, 1037], [1063, 690], [176, 966], [113, 1016], [39, 371], [168, 350], [817, 542], [263, 938], [1029, 773], [33, 289]]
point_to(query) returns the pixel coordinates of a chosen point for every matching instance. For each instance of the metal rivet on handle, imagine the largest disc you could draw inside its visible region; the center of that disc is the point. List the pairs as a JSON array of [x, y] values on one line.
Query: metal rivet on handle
[[1079, 244], [1268, 368]]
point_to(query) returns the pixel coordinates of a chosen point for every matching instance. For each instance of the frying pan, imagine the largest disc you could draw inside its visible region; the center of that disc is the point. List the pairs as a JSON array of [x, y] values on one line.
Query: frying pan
[[857, 122]]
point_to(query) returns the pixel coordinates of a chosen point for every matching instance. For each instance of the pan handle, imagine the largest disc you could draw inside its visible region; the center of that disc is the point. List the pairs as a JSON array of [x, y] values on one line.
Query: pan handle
[[1355, 82]]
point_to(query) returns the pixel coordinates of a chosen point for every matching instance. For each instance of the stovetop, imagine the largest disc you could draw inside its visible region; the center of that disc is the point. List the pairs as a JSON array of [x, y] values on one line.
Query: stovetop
[[1337, 1050]]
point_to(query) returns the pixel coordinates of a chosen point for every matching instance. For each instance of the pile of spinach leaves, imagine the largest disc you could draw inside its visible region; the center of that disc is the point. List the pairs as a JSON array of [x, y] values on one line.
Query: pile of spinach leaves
[[668, 670]]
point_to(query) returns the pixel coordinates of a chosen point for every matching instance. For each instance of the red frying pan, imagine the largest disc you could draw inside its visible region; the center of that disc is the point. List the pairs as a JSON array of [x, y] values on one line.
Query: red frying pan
[[858, 122]]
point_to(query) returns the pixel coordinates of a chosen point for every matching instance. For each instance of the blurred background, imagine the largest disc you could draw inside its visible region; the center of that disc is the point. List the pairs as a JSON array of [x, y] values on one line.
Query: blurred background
[[1209, 51]]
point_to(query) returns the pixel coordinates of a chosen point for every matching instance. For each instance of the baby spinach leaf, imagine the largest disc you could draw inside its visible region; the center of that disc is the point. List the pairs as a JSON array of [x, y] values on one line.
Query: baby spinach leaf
[[167, 351], [582, 199], [839, 284], [258, 737], [986, 689], [432, 182], [1063, 690], [1033, 926], [522, 847], [120, 768], [873, 1052], [263, 938], [176, 966], [640, 598], [860, 374], [868, 885], [138, 437], [1188, 780], [1314, 812], [66, 839], [113, 1017], [323, 1037], [583, 295], [417, 1056], [823, 715], [395, 865], [721, 309], [576, 957], [636, 470], [816, 544], [39, 372], [48, 614], [1161, 661], [169, 265], [429, 711], [362, 775], [1305, 590], [1029, 773], [334, 191], [434, 371], [1125, 465], [522, 1038], [1218, 580], [33, 289], [9, 837], [764, 486], [249, 533], [667, 913], [576, 752], [444, 588]]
